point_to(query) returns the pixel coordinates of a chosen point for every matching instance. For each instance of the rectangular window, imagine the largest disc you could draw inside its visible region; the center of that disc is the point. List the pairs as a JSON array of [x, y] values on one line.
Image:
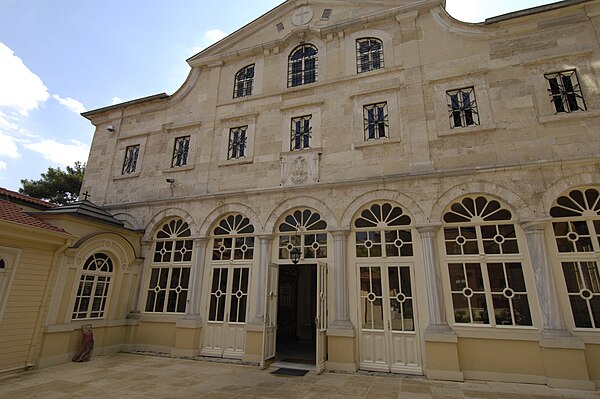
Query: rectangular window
[[300, 133], [131, 157], [237, 142], [565, 91], [375, 118], [168, 289], [369, 54], [462, 107], [583, 287], [180, 151], [92, 294]]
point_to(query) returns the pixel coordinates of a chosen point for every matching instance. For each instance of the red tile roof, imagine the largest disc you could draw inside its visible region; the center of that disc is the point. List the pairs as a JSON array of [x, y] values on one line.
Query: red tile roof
[[20, 197], [12, 213]]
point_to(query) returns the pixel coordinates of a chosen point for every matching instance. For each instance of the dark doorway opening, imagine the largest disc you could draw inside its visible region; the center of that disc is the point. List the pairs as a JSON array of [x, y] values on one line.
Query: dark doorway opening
[[296, 313]]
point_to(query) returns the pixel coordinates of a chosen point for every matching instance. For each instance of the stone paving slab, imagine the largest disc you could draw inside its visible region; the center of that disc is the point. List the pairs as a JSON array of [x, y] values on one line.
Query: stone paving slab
[[141, 376]]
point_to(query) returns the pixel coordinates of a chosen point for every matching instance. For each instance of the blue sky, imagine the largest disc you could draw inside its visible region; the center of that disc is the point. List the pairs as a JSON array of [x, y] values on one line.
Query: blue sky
[[59, 58]]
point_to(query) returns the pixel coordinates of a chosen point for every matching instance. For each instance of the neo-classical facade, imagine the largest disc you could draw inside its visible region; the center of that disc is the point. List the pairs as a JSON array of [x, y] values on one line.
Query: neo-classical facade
[[439, 182]]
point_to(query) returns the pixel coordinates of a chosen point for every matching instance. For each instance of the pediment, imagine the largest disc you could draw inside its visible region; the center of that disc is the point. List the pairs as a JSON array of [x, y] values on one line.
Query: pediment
[[295, 17]]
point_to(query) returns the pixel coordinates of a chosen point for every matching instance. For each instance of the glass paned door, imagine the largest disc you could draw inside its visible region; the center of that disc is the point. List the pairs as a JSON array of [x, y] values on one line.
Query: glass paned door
[[227, 309], [388, 338]]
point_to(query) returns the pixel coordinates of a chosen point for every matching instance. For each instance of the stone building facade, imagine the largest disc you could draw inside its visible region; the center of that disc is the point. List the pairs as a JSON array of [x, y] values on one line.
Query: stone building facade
[[439, 182]]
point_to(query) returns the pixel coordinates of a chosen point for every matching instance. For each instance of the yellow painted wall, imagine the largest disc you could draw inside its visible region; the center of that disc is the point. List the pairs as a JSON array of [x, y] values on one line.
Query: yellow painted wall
[[500, 356], [156, 334], [592, 357], [341, 350], [254, 343], [19, 338]]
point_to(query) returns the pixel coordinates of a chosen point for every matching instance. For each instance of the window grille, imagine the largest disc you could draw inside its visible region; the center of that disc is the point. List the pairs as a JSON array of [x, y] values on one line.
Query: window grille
[[237, 142], [565, 91], [462, 107], [302, 65], [376, 123], [131, 157], [180, 151], [301, 131], [576, 227], [485, 266], [170, 270], [369, 54], [244, 81], [92, 291]]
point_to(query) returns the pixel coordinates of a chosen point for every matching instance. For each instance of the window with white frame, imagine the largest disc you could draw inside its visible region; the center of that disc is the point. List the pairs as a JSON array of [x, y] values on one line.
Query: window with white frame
[[462, 107], [302, 65], [382, 230], [375, 118], [233, 239], [369, 54], [485, 265], [565, 91], [303, 229], [233, 247], [92, 291], [170, 269], [244, 80], [238, 139], [131, 158], [181, 149], [576, 226], [301, 132]]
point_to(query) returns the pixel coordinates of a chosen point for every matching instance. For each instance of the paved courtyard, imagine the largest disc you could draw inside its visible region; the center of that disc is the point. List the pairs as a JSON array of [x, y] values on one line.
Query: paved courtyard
[[140, 376]]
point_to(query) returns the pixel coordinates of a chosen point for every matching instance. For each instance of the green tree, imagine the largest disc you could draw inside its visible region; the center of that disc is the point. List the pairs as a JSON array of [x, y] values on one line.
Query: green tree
[[57, 186]]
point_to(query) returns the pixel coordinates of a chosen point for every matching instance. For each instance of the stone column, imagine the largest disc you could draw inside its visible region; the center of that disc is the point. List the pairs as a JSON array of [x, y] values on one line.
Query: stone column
[[340, 297], [437, 313], [265, 242], [197, 276], [552, 322]]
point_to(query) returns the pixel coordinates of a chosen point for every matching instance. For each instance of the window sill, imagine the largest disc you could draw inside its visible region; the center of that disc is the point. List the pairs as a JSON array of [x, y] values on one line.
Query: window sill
[[127, 176], [568, 116], [238, 161], [175, 169], [317, 150], [466, 130], [376, 142], [518, 333], [161, 317]]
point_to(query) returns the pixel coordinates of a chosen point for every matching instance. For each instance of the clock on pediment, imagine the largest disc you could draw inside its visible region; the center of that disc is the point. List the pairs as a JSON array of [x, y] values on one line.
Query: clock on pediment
[[302, 15]]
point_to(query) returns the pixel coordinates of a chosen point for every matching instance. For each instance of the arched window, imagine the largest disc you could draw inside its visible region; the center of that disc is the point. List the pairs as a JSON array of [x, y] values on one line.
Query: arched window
[[244, 80], [234, 243], [233, 239], [381, 231], [2, 264], [92, 292], [485, 265], [576, 226], [302, 65], [170, 269], [369, 54], [305, 230]]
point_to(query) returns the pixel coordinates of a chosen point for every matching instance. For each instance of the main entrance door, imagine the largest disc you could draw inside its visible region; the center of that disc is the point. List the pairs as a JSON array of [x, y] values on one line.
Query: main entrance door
[[296, 315], [388, 338], [225, 332]]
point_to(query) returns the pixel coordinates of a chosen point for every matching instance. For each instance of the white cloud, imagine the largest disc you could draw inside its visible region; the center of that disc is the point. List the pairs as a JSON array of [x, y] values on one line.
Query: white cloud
[[3, 165], [116, 100], [8, 146], [20, 89], [70, 103], [60, 153], [5, 123], [214, 35], [210, 37]]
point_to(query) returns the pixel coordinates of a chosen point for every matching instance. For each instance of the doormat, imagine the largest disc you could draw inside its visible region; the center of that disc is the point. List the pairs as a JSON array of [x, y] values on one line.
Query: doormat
[[290, 372]]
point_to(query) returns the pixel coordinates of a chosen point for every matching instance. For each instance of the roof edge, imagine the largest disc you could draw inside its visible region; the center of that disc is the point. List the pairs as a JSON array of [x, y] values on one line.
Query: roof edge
[[136, 101], [533, 10]]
